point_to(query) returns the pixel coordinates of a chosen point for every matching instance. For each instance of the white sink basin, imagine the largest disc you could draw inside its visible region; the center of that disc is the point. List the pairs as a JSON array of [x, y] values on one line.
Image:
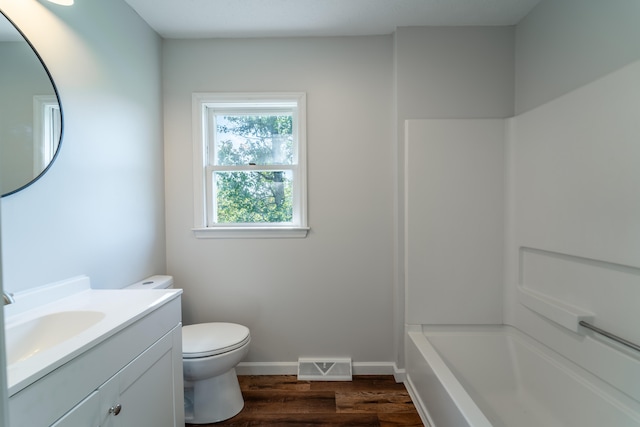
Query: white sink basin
[[27, 339], [49, 326]]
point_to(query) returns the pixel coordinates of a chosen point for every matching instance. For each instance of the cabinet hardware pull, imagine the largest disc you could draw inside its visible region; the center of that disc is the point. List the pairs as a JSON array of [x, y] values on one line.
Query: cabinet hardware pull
[[115, 410]]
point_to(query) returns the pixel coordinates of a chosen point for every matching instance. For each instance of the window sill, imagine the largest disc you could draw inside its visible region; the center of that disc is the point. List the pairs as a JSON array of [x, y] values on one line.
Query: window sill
[[251, 232]]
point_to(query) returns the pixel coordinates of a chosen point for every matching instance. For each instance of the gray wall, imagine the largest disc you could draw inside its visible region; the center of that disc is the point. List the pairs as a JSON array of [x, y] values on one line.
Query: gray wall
[[454, 72], [100, 209], [564, 44], [346, 277], [331, 293]]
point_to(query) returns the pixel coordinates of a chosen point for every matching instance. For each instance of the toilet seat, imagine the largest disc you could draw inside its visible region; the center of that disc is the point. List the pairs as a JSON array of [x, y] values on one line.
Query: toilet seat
[[210, 339]]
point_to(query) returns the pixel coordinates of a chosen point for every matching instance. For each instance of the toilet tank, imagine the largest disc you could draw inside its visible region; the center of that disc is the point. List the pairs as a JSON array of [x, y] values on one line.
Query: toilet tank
[[153, 282]]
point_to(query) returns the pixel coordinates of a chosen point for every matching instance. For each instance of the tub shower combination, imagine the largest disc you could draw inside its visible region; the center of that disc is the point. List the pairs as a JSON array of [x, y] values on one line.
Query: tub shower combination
[[496, 376], [522, 222]]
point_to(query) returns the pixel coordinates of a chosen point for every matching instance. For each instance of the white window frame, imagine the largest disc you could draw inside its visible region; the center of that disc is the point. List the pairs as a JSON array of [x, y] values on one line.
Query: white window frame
[[204, 227], [47, 128]]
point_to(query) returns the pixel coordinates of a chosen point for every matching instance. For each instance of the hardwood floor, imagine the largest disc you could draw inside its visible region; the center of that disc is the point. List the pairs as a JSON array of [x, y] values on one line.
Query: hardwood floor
[[282, 400]]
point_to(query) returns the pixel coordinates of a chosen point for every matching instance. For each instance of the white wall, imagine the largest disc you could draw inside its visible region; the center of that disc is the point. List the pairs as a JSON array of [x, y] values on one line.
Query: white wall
[[454, 219], [574, 231], [99, 210], [562, 45], [573, 206], [445, 73], [331, 293]]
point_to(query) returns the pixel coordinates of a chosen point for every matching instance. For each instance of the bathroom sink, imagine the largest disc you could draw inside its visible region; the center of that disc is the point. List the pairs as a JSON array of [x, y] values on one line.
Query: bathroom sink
[[49, 326], [25, 340]]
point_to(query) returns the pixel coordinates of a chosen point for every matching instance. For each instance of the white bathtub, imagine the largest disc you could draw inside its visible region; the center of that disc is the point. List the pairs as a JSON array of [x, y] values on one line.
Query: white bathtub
[[490, 376]]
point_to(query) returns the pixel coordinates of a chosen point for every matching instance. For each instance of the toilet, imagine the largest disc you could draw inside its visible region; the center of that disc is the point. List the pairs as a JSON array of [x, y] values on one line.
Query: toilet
[[210, 353]]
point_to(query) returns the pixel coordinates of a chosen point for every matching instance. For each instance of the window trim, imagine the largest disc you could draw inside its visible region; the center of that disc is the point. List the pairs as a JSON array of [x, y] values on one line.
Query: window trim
[[46, 130], [200, 165]]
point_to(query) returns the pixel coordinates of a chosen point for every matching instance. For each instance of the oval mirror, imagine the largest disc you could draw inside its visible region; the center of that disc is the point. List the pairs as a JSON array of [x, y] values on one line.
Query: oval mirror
[[30, 112]]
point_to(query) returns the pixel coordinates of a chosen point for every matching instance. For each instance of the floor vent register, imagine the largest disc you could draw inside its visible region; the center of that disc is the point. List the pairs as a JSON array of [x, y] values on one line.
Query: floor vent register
[[323, 369]]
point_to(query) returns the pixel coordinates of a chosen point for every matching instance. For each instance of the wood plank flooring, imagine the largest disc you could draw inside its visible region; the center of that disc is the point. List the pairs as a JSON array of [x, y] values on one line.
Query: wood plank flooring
[[282, 400]]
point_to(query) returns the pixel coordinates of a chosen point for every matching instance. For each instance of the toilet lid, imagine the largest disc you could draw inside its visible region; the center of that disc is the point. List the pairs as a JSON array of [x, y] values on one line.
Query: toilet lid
[[209, 339]]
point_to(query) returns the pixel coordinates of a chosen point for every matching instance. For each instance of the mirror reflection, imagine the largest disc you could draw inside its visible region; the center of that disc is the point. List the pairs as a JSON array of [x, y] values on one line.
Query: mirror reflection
[[30, 116]]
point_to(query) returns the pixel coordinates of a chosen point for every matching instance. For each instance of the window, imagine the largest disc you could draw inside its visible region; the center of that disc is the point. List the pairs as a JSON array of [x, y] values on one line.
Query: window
[[250, 165], [47, 127]]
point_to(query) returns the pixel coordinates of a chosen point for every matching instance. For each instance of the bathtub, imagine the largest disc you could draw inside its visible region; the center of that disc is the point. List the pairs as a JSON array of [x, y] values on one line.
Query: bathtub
[[496, 376]]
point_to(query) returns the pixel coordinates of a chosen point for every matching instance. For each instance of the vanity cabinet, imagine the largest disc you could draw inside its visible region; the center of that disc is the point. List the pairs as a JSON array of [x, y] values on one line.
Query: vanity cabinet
[[134, 378], [84, 414], [142, 393]]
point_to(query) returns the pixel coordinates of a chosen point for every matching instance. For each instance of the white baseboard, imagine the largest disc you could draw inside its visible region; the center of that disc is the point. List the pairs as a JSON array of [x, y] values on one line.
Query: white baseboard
[[267, 368], [291, 368]]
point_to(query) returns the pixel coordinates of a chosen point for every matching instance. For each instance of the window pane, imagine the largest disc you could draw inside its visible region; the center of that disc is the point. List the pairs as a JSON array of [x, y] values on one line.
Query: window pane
[[254, 139], [254, 197]]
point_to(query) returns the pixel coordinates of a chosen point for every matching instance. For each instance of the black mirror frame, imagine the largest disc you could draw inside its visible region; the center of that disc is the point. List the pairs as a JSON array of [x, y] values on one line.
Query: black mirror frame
[[55, 89]]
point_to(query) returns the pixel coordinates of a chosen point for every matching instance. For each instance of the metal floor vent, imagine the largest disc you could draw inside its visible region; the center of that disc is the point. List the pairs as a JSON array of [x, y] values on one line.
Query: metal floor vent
[[320, 369]]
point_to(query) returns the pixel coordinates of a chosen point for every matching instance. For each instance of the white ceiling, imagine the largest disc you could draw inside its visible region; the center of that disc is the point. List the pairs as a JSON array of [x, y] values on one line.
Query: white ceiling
[[283, 18]]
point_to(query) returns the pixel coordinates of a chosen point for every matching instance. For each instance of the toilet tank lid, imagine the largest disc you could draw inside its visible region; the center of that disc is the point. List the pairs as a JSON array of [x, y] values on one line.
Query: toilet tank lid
[[153, 282]]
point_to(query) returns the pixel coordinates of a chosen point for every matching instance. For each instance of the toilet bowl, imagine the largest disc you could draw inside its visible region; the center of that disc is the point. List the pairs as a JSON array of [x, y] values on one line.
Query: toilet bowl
[[210, 353]]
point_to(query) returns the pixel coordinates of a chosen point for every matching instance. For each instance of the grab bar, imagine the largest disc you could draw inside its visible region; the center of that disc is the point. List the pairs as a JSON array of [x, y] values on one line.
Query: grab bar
[[614, 337]]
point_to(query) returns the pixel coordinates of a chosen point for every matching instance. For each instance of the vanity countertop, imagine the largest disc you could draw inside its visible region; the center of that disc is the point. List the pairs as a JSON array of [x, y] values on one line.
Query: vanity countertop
[[69, 318]]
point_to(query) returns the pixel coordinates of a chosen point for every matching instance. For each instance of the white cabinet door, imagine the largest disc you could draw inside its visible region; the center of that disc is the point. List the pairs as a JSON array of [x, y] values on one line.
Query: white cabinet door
[[83, 414], [142, 393]]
